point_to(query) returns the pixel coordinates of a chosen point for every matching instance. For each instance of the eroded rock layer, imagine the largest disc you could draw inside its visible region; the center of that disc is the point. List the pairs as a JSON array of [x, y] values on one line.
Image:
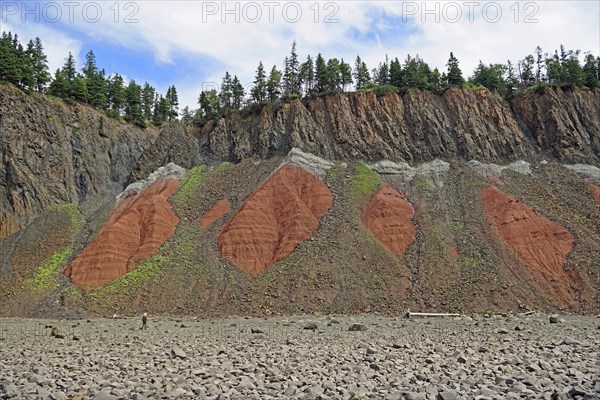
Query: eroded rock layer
[[221, 208], [139, 225], [596, 192], [388, 217], [540, 243], [283, 212]]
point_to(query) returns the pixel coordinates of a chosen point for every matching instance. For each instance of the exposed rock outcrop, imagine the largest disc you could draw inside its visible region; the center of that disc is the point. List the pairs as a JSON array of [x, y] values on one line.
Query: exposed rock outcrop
[[388, 217], [283, 212], [54, 153], [589, 173], [417, 127], [541, 244], [139, 225], [596, 192]]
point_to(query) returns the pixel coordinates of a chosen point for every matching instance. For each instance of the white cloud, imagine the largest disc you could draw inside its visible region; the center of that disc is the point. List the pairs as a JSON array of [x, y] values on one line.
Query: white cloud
[[169, 28]]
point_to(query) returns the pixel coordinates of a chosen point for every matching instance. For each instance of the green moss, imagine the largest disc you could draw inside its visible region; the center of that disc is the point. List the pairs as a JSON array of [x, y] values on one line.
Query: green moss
[[223, 166], [72, 210], [193, 180], [365, 182], [46, 275]]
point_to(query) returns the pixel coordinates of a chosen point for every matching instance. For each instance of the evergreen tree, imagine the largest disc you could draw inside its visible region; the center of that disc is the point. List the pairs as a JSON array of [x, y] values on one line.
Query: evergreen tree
[[274, 85], [226, 94], [133, 104], [362, 78], [396, 73], [58, 86], [307, 75], [590, 72], [333, 81], [381, 75], [116, 95], [10, 59], [238, 93], [572, 71], [173, 102], [345, 74], [512, 82], [554, 69], [491, 77], [454, 76], [40, 66], [148, 95], [436, 83], [26, 64], [187, 116], [539, 74], [162, 110], [209, 103], [79, 90], [259, 91], [291, 76], [321, 74], [526, 70]]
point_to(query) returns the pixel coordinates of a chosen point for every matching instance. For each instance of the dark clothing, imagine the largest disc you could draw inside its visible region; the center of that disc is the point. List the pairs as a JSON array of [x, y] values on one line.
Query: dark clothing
[[144, 321]]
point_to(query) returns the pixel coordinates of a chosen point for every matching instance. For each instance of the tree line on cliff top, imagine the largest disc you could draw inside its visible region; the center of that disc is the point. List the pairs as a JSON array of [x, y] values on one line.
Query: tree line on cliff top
[[27, 68]]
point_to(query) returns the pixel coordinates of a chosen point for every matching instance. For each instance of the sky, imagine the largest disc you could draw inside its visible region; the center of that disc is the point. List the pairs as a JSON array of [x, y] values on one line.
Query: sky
[[190, 44]]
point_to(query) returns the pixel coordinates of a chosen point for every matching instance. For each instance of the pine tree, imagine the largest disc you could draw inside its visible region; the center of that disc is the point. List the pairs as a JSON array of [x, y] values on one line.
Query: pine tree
[[307, 75], [345, 74], [187, 116], [40, 66], [148, 94], [526, 70], [133, 104], [226, 94], [26, 63], [116, 95], [511, 83], [539, 75], [382, 73], [454, 76], [321, 74], [590, 72], [173, 102], [361, 74], [291, 77], [554, 69], [259, 91], [238, 93], [58, 86], [333, 81], [396, 73], [78, 90], [491, 77], [274, 85], [209, 103]]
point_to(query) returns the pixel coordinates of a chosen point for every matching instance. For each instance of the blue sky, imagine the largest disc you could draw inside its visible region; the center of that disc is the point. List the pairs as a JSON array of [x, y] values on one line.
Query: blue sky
[[192, 43]]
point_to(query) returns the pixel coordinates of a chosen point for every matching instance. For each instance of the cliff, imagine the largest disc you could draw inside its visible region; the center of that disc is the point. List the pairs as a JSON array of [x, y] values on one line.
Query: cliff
[[53, 153], [417, 126]]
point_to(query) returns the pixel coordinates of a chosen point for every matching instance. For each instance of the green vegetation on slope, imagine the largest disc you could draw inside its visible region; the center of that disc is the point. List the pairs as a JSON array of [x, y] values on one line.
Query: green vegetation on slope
[[46, 277], [72, 210], [194, 178], [365, 182]]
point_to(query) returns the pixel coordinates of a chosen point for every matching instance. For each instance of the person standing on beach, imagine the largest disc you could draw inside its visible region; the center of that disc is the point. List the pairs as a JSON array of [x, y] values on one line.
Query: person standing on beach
[[144, 321]]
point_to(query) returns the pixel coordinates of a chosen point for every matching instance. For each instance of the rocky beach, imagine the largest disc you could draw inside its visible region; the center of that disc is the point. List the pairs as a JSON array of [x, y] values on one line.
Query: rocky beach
[[303, 357]]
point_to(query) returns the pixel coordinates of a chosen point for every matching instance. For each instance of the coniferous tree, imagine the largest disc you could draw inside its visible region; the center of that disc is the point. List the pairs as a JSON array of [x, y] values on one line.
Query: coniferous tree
[[362, 78], [554, 69], [26, 65], [226, 94], [209, 103], [512, 82], [187, 116], [491, 77], [133, 104], [274, 85], [333, 81], [526, 70], [58, 86], [173, 102], [345, 74], [40, 66], [539, 74], [291, 76], [381, 75], [590, 72], [396, 73], [238, 93], [259, 91], [454, 76], [307, 75], [116, 95], [321, 74], [148, 95]]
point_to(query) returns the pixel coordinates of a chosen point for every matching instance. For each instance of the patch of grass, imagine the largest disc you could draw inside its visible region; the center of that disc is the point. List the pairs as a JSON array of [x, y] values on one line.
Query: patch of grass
[[193, 180], [365, 182], [421, 185], [151, 268], [46, 277], [333, 172], [223, 166], [72, 210], [72, 294], [470, 262]]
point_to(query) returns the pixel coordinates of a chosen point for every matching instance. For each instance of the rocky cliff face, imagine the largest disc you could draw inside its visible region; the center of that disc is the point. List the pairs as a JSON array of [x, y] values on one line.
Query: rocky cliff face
[[52, 153], [417, 126]]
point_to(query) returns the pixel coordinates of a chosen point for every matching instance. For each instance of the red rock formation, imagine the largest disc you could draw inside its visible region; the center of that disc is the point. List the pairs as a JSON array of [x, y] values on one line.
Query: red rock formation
[[388, 217], [283, 212], [217, 211], [540, 243], [596, 192], [139, 225]]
